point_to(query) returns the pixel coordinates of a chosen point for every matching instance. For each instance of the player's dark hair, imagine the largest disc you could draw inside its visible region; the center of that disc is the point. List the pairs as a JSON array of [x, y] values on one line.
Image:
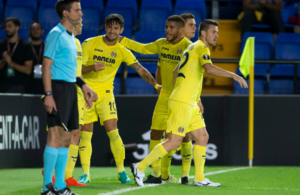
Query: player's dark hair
[[178, 19], [114, 18], [15, 21], [36, 23], [186, 16], [204, 25], [62, 5]]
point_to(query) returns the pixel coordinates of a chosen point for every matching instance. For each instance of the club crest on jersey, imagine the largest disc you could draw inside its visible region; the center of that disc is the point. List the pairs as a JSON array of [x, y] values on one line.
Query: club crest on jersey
[[179, 51], [113, 54], [180, 129], [206, 57]]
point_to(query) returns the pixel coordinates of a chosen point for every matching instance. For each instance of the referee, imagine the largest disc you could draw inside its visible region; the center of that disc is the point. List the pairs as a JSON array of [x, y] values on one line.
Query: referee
[[59, 77]]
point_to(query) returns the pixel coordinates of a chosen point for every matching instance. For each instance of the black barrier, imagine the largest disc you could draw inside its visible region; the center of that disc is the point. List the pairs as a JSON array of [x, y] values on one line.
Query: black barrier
[[276, 129]]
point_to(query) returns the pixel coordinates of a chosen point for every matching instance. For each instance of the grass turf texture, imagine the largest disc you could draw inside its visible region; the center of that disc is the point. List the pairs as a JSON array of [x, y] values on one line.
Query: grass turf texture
[[257, 180]]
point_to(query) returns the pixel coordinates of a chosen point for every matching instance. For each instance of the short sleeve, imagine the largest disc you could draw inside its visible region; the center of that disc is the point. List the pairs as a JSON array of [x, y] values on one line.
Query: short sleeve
[[86, 46], [204, 56], [51, 44], [129, 58]]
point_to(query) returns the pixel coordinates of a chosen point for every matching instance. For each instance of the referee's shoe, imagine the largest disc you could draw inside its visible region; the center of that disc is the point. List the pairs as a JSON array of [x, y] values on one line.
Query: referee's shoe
[[51, 190], [66, 191]]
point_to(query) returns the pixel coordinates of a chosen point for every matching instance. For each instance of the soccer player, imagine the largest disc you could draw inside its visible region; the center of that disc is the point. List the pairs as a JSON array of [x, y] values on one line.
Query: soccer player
[[73, 149], [184, 114], [170, 50], [107, 49], [59, 77]]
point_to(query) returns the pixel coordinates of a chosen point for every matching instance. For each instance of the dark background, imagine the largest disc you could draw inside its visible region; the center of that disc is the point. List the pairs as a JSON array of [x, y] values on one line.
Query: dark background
[[276, 130]]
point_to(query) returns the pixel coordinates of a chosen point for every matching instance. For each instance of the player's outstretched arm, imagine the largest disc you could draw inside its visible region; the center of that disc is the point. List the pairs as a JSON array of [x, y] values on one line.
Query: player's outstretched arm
[[146, 75], [149, 48], [216, 71], [49, 102], [96, 67]]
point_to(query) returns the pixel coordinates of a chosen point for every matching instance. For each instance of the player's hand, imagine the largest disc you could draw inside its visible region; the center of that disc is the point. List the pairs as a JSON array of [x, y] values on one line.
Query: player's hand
[[120, 38], [159, 89], [89, 96], [240, 80], [49, 103], [201, 107], [98, 66]]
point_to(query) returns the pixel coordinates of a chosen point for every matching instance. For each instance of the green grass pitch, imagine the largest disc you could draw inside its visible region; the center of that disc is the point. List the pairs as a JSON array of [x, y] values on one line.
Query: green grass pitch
[[252, 181]]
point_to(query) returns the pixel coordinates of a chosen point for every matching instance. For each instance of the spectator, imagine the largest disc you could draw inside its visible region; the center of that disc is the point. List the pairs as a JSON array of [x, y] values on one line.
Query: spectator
[[15, 59], [37, 46], [262, 12]]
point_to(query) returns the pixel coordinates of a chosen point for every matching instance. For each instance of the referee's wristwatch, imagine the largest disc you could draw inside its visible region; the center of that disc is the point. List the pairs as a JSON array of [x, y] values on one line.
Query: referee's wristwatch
[[48, 93]]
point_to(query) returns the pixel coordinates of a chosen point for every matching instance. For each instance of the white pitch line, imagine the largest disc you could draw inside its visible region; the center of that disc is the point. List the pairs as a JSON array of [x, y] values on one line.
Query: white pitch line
[[153, 185], [222, 171]]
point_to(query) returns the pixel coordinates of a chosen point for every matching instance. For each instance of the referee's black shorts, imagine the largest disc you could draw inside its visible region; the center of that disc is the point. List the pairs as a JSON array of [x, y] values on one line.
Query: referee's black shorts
[[65, 97]]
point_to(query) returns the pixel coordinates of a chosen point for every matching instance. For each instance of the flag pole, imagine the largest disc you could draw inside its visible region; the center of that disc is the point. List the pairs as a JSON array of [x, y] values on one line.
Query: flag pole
[[251, 115]]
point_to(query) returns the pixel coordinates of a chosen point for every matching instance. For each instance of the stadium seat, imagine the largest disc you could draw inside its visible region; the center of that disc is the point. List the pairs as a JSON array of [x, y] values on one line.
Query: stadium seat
[[117, 85], [127, 9], [87, 34], [136, 85], [92, 14], [23, 33], [260, 81], [47, 16], [2, 33], [281, 75], [287, 47], [150, 66], [259, 87], [195, 7], [148, 37], [154, 13], [281, 79], [25, 11], [263, 46]]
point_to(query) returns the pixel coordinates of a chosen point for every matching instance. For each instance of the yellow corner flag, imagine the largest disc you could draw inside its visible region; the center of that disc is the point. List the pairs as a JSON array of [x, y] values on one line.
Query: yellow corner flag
[[247, 58]]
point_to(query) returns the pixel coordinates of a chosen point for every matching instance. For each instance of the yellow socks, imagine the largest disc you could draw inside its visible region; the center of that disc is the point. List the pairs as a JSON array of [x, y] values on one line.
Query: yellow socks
[[199, 161], [157, 153], [156, 166], [117, 148], [85, 151], [186, 153], [166, 163], [72, 158]]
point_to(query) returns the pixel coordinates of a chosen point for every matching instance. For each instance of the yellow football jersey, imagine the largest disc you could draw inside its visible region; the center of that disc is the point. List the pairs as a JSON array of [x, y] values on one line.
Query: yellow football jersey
[[190, 76], [79, 67], [169, 56], [95, 50]]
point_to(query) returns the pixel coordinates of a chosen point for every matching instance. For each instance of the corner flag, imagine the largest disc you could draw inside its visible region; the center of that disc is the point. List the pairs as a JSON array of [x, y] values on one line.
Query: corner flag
[[247, 58]]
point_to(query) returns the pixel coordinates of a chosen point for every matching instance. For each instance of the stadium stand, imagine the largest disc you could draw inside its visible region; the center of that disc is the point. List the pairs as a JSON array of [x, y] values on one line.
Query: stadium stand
[[47, 16], [153, 14], [25, 11], [281, 75], [136, 85], [128, 9]]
